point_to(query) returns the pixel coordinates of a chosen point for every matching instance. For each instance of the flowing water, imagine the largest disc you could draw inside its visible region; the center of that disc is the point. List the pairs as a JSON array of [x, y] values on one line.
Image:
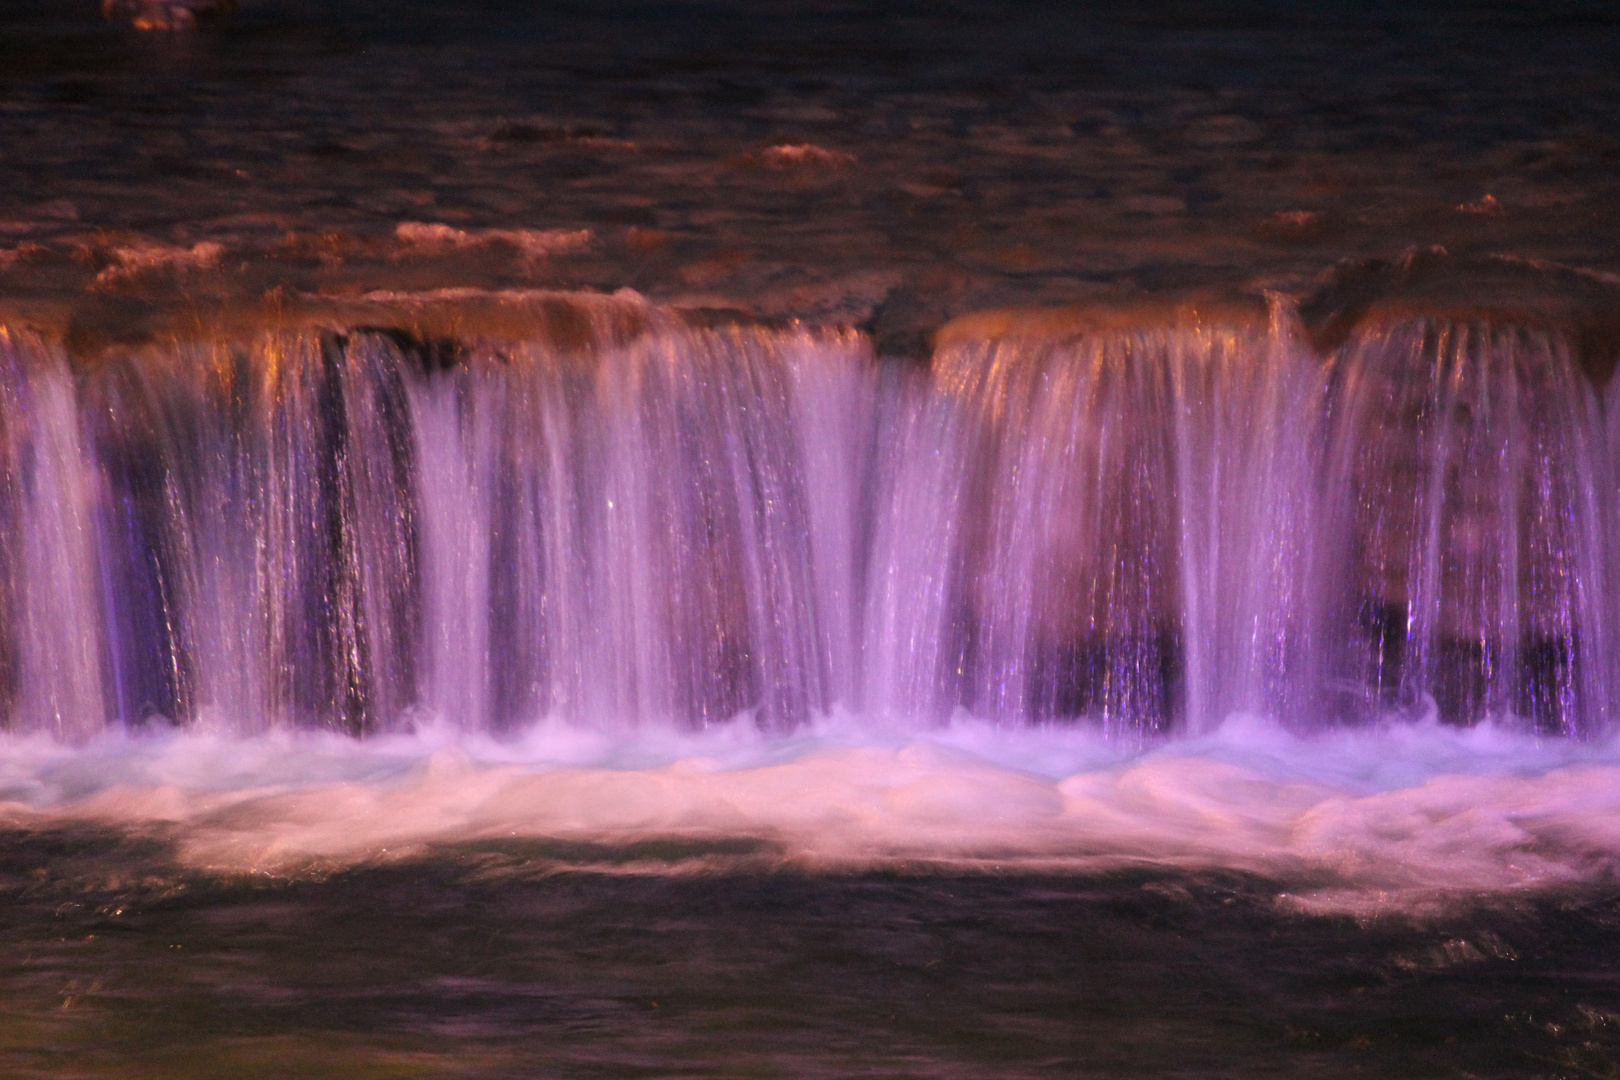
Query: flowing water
[[1114, 631], [809, 541], [1143, 528]]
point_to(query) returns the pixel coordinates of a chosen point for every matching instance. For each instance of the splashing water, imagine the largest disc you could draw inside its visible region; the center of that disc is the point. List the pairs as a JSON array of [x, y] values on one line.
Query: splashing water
[[632, 576], [1400, 818]]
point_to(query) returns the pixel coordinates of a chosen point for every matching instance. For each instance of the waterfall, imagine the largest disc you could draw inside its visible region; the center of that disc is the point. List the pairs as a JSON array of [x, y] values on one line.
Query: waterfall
[[663, 531], [1104, 522], [53, 642], [1464, 509], [1145, 521]]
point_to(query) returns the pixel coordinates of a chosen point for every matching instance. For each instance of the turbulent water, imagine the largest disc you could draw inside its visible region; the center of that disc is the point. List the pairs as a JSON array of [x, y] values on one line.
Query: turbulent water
[[975, 901], [1403, 820]]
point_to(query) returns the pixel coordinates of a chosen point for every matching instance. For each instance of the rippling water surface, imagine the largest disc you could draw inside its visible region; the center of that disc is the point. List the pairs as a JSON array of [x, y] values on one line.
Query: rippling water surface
[[883, 163]]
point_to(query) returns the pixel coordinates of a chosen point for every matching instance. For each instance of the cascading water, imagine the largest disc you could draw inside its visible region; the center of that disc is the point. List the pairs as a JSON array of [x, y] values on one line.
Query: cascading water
[[1147, 525], [1100, 522], [1114, 606], [51, 640], [661, 532], [256, 531], [322, 531], [1464, 502]]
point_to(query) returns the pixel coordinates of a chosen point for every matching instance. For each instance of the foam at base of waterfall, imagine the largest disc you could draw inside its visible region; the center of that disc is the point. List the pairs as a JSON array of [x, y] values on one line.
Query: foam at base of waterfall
[[1400, 818]]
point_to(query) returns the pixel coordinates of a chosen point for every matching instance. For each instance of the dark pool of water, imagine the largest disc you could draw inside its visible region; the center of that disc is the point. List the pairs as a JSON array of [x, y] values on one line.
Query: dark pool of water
[[478, 963]]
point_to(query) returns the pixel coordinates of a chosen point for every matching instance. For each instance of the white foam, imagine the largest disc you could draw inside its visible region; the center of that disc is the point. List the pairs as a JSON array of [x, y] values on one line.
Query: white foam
[[1397, 817]]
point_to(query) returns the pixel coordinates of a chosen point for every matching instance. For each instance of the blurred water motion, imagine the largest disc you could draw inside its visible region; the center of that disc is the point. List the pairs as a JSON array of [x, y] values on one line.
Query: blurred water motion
[[1145, 519]]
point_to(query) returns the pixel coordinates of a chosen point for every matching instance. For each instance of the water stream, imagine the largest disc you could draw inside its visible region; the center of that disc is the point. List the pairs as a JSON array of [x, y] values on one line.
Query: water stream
[[1142, 527]]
